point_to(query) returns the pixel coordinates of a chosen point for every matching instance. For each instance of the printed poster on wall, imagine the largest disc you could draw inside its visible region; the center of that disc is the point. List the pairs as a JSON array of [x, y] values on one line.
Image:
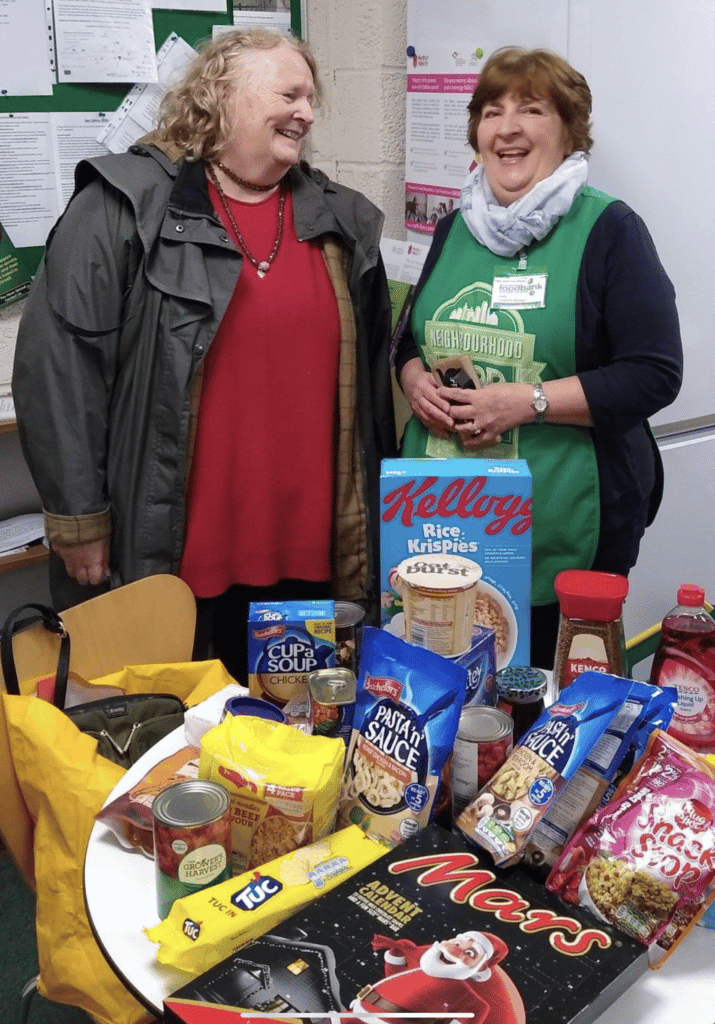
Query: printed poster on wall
[[448, 42], [15, 277]]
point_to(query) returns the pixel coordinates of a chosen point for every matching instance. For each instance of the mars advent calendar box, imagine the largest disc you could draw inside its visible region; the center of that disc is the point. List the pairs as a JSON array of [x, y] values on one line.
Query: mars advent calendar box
[[430, 927], [479, 509]]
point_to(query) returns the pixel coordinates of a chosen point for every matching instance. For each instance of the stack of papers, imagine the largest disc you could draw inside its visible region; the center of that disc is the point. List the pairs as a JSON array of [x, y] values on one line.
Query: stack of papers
[[18, 533]]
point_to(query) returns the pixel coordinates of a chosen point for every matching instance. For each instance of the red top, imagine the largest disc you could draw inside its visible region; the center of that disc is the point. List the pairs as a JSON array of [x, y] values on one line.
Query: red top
[[260, 494], [691, 595], [589, 595]]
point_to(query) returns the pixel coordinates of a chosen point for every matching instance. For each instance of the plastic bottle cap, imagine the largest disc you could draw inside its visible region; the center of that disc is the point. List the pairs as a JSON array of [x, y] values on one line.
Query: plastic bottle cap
[[690, 595], [595, 596]]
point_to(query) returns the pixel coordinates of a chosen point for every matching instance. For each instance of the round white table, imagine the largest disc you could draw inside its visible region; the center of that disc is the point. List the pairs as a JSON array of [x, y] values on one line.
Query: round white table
[[120, 893]]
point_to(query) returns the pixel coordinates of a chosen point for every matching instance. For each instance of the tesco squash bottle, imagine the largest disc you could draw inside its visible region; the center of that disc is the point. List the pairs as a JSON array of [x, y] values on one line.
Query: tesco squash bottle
[[685, 659]]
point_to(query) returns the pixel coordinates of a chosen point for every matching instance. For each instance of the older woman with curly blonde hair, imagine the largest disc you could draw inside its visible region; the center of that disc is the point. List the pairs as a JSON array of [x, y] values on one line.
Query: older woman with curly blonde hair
[[201, 377]]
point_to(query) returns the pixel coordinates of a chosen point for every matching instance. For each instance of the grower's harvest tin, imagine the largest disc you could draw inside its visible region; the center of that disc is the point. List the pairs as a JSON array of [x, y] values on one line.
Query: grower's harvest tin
[[484, 741], [192, 839]]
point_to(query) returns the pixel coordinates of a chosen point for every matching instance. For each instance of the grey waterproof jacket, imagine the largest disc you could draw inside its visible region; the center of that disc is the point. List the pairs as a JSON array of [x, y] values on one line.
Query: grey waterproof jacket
[[137, 275]]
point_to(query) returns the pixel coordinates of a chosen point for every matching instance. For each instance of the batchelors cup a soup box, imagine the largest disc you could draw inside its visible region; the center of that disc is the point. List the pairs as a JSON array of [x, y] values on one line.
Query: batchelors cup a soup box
[[474, 509], [430, 927]]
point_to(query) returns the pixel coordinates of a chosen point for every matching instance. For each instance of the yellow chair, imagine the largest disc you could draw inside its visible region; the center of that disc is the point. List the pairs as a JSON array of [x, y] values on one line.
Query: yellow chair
[[146, 622]]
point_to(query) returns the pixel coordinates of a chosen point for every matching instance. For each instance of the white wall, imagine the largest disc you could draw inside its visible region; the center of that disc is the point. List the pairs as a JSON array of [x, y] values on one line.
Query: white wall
[[359, 138]]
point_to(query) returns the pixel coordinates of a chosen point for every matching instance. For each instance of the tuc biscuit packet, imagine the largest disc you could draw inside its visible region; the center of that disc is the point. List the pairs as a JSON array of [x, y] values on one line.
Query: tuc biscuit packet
[[645, 861], [404, 725], [284, 785], [203, 928], [508, 808], [646, 708]]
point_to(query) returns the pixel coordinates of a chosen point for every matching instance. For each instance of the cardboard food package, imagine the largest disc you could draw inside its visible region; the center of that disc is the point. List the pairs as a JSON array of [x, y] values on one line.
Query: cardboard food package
[[429, 927], [287, 640], [479, 509]]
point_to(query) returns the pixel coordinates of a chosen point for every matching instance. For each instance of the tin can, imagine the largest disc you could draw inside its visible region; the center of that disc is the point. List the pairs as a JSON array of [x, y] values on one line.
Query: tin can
[[484, 740], [192, 839], [253, 706], [348, 634], [332, 701]]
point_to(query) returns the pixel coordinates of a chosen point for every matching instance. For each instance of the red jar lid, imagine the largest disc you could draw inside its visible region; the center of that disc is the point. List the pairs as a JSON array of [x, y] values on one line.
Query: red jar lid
[[584, 594]]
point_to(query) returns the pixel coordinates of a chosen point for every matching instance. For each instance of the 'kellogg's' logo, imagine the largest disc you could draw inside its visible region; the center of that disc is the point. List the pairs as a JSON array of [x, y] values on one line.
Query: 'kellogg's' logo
[[463, 498]]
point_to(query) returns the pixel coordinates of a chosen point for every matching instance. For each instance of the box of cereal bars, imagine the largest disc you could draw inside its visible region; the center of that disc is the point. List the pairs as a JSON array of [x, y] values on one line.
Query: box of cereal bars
[[475, 509]]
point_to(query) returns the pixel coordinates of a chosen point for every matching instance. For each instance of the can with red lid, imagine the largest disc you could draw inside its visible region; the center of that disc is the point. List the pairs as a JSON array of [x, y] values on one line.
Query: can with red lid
[[484, 740], [192, 839]]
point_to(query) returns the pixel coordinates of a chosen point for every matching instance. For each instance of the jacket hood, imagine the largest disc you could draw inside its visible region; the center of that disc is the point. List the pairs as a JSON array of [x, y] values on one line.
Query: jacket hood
[[154, 178]]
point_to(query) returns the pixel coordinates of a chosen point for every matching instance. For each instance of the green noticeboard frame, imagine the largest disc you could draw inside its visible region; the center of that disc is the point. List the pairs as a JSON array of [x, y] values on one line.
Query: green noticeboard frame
[[193, 26]]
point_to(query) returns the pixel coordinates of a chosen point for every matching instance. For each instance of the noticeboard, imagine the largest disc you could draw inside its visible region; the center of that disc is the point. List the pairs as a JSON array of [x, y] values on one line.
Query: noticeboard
[[193, 26]]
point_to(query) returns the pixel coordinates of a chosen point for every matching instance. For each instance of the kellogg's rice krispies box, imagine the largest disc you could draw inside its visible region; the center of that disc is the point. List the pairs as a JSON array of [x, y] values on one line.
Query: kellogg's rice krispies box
[[286, 641], [478, 509]]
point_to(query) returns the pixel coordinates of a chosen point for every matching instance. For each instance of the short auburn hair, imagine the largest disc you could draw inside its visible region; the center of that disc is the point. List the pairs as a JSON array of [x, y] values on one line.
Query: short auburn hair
[[538, 74], [195, 115]]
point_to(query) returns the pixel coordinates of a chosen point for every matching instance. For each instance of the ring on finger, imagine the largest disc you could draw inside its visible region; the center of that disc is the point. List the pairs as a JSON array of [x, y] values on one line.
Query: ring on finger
[[476, 431]]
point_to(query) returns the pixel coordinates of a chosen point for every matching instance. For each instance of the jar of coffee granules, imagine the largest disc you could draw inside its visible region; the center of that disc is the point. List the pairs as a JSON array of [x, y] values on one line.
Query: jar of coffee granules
[[590, 634], [520, 692]]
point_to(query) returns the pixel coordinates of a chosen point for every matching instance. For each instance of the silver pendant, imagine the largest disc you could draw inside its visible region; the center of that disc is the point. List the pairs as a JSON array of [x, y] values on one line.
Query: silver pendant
[[263, 268]]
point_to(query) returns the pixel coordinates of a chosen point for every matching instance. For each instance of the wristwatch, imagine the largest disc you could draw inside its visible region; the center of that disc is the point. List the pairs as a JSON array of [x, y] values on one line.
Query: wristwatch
[[540, 403]]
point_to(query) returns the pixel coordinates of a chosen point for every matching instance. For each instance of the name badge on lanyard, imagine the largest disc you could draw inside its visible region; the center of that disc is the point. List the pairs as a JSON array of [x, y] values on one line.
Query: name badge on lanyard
[[519, 291]]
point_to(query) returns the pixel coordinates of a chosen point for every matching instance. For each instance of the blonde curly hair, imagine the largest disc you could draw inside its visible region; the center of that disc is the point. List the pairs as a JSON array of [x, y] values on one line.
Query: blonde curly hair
[[194, 115]]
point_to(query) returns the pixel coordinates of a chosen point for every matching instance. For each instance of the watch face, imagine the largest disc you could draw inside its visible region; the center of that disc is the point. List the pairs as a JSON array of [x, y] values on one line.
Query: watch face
[[540, 403]]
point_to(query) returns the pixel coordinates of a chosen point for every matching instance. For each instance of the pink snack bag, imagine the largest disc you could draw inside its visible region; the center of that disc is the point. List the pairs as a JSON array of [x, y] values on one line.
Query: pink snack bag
[[645, 861]]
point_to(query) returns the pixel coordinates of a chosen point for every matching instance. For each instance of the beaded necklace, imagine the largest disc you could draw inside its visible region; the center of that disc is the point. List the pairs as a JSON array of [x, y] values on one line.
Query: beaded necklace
[[242, 181], [264, 266]]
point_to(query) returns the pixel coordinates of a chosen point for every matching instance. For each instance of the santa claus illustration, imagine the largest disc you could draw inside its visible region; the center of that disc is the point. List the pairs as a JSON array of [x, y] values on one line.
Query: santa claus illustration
[[458, 975]]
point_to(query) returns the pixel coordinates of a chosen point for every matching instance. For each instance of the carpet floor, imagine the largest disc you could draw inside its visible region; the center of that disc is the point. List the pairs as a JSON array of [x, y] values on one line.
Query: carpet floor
[[18, 955]]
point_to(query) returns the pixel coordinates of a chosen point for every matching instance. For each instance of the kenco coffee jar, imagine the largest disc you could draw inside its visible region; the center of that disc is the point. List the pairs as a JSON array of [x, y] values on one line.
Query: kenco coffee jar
[[590, 634]]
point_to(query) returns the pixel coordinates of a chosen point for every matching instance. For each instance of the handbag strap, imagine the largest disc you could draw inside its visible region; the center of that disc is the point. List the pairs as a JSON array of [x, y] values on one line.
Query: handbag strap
[[53, 623]]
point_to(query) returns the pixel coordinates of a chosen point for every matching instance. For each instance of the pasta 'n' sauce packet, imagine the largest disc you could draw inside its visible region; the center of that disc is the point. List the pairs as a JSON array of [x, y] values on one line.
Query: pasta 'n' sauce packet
[[538, 768], [406, 717]]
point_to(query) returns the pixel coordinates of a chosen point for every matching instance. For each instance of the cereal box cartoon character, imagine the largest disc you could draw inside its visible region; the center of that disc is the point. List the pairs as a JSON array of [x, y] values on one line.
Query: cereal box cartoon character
[[458, 975]]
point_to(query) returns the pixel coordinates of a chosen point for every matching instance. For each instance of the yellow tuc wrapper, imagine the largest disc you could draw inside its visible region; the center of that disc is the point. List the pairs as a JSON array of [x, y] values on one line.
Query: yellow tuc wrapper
[[284, 785], [205, 927]]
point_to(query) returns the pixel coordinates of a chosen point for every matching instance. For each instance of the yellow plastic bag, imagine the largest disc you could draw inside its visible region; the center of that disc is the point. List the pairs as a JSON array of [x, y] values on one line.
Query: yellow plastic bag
[[64, 783]]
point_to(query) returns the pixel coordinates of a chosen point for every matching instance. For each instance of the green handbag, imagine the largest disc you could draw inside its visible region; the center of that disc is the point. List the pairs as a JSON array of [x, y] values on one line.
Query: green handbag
[[125, 726]]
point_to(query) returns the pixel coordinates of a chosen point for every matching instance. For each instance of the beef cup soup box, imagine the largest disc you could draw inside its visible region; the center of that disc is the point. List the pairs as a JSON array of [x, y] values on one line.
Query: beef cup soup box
[[430, 927], [476, 509]]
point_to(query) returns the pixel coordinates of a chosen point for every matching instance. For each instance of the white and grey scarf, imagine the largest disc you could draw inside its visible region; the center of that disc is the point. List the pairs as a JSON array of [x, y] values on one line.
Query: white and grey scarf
[[505, 230]]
